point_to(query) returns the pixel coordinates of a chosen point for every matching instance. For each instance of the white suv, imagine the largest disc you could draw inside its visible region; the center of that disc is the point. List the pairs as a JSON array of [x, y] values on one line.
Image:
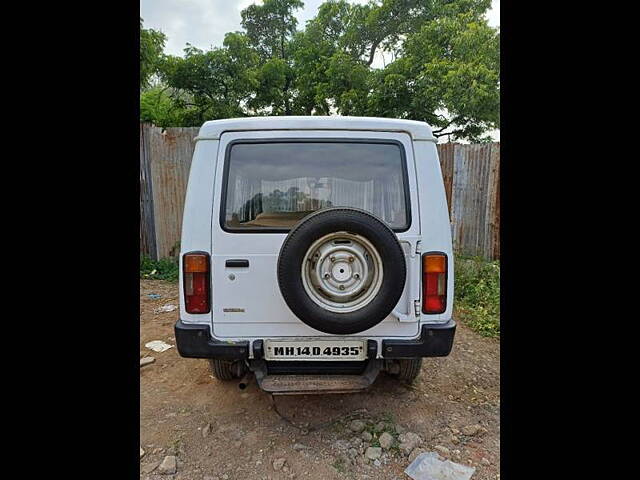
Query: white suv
[[316, 252]]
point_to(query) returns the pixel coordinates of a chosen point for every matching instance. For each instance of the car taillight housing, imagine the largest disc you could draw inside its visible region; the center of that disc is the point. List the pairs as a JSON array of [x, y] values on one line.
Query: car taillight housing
[[195, 273], [434, 282]]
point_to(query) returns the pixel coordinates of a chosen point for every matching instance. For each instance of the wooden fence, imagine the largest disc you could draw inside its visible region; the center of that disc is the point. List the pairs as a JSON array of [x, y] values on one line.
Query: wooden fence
[[471, 178]]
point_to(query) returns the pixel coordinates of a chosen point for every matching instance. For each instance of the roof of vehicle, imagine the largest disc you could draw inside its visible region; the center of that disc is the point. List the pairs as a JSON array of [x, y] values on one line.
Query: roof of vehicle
[[212, 130]]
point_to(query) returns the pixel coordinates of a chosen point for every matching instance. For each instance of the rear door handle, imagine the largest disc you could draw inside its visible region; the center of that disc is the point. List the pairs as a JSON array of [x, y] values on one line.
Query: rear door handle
[[237, 263]]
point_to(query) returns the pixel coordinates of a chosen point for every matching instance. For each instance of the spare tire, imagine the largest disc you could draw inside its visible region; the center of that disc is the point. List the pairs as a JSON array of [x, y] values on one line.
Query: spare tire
[[341, 270]]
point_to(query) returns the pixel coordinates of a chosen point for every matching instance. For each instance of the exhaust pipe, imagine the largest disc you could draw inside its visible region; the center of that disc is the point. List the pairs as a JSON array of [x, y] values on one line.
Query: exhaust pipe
[[245, 381]]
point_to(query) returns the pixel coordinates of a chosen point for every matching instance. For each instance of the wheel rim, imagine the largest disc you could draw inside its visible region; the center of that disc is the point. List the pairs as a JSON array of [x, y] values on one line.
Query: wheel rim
[[342, 272]]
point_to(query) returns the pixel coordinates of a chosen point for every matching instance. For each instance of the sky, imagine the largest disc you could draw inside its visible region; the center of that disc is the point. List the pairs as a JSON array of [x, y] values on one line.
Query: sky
[[203, 23]]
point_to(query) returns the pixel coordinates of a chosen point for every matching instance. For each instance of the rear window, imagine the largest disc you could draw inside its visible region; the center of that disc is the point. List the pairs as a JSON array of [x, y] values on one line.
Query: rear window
[[272, 185]]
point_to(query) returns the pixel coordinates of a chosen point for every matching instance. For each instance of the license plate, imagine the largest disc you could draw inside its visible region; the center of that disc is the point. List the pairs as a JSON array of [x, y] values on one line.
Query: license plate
[[315, 350]]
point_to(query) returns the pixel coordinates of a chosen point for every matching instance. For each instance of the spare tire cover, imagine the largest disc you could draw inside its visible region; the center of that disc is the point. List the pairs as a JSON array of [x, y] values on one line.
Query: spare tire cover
[[341, 270]]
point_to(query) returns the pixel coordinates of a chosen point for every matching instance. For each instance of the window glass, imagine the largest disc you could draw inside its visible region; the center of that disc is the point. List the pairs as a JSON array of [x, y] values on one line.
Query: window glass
[[274, 185]]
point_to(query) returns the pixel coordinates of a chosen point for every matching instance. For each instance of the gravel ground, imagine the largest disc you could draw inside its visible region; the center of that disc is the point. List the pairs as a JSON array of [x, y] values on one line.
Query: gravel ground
[[204, 429]]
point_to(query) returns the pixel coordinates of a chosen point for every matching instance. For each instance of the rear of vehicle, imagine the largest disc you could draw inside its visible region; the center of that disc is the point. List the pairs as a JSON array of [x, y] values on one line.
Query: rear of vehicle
[[316, 252]]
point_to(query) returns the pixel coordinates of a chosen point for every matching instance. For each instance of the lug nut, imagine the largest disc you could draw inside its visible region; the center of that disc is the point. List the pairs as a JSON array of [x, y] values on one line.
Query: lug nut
[[333, 259], [341, 287], [356, 275], [326, 275], [351, 259]]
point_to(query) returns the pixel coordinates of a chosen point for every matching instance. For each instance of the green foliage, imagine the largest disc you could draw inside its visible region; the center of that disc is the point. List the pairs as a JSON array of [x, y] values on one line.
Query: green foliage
[[347, 84], [445, 68], [165, 269], [455, 63], [151, 47], [159, 107], [477, 294], [271, 96], [270, 26], [214, 83]]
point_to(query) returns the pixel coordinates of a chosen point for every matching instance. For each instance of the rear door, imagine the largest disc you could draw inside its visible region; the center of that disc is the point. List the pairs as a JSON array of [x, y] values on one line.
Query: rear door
[[266, 182]]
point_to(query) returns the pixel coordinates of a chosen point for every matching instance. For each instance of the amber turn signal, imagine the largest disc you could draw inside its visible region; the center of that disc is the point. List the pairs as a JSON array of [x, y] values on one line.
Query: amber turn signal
[[195, 263], [434, 263]]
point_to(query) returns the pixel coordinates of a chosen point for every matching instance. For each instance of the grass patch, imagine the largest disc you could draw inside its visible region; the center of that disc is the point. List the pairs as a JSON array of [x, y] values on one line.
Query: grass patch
[[340, 465], [165, 269], [477, 294]]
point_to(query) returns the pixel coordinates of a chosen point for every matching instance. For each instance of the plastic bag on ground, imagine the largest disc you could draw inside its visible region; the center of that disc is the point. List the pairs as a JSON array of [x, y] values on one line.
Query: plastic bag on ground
[[158, 346], [430, 466], [166, 308]]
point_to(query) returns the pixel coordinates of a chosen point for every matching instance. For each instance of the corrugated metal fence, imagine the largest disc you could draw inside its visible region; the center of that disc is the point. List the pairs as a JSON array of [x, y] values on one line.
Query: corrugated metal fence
[[471, 178]]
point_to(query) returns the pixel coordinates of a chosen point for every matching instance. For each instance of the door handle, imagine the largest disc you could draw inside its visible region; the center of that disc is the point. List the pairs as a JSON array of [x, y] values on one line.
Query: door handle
[[237, 263]]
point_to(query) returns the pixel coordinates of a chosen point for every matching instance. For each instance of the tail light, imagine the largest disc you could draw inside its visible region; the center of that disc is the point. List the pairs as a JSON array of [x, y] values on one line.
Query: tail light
[[195, 272], [434, 282]]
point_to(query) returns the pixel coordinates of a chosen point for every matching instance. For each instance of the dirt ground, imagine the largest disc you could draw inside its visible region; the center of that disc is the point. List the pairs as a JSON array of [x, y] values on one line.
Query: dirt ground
[[219, 432]]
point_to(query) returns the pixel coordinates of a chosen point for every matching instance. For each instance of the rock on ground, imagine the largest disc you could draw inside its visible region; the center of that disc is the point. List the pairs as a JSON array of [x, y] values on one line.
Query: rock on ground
[[471, 430], [169, 465], [341, 444], [409, 441], [444, 451], [357, 426], [278, 463], [366, 436], [206, 430], [415, 452], [373, 453], [146, 361], [386, 440], [141, 452]]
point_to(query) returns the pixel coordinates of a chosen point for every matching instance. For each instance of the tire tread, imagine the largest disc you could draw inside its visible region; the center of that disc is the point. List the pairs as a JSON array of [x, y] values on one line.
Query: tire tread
[[409, 369], [222, 369]]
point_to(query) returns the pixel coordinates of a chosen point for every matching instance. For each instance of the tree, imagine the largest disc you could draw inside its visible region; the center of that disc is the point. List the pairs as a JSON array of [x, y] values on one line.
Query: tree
[[333, 59], [270, 28], [166, 108], [217, 83], [151, 47], [444, 70], [448, 76]]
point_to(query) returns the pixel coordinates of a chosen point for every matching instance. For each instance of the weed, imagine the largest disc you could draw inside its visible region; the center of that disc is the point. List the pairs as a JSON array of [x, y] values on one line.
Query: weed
[[477, 294], [340, 465], [165, 269]]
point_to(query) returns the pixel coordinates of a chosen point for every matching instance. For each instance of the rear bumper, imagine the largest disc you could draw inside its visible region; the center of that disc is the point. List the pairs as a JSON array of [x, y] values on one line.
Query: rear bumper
[[195, 341], [434, 341]]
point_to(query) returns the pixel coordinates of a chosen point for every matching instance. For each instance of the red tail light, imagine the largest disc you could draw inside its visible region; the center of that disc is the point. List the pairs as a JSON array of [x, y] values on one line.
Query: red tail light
[[195, 270], [434, 283]]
